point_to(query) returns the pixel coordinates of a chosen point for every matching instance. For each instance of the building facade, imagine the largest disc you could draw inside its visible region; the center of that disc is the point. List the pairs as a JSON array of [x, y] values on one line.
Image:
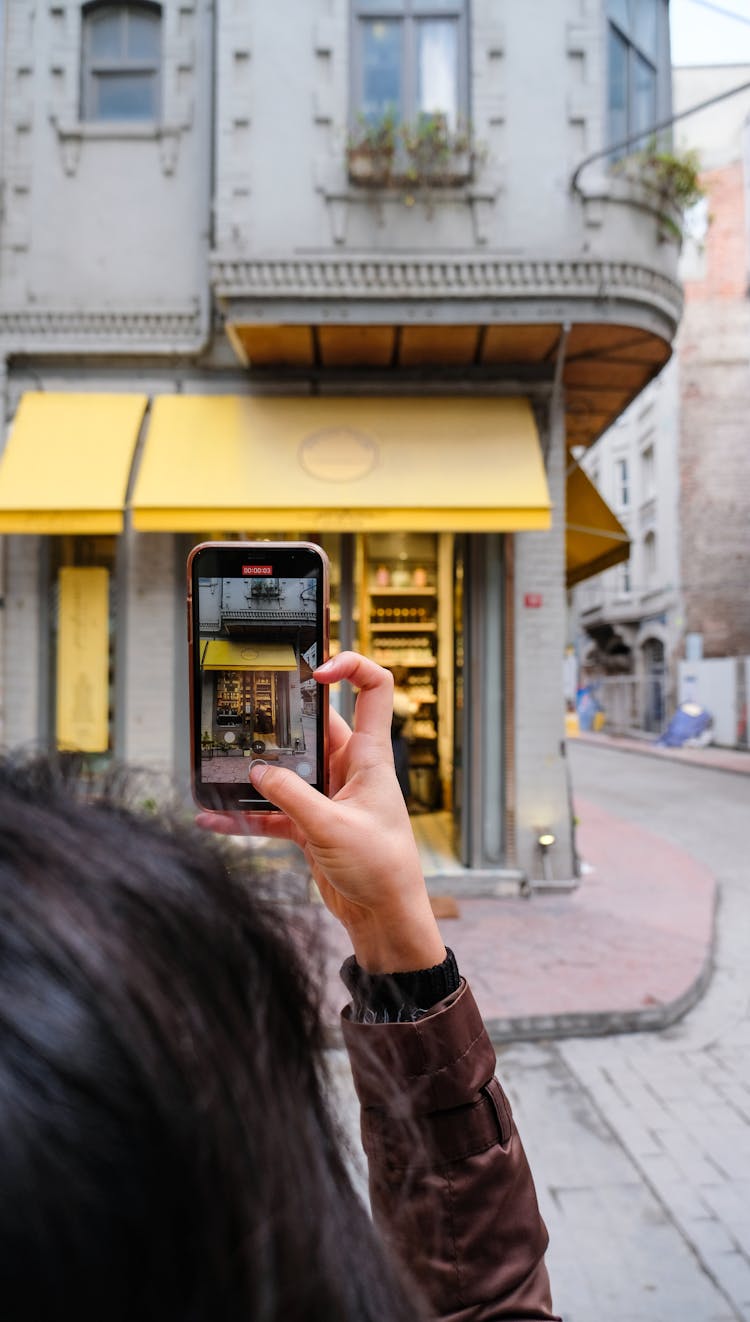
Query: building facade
[[675, 465], [339, 273]]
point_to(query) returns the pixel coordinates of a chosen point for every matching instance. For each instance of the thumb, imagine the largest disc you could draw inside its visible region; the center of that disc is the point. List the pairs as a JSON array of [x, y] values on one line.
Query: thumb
[[286, 790]]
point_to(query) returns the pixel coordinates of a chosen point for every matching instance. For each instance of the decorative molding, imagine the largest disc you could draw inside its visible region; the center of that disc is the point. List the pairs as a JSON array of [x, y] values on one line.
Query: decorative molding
[[66, 331], [445, 276], [480, 201], [72, 134]]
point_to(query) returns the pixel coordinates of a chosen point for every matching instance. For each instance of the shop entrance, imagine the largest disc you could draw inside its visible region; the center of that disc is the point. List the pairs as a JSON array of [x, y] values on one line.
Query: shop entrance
[[392, 599]]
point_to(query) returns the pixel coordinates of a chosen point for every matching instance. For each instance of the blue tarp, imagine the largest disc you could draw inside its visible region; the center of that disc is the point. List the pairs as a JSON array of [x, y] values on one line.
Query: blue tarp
[[689, 723]]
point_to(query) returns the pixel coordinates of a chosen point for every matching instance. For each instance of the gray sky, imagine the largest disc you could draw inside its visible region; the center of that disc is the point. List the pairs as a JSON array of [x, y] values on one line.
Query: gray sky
[[705, 33]]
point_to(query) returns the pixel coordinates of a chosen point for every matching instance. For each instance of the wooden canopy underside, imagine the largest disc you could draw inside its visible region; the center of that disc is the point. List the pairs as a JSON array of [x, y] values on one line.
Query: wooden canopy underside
[[605, 367]]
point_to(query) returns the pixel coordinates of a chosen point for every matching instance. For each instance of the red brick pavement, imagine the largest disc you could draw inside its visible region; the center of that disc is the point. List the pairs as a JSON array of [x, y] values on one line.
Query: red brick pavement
[[629, 949]]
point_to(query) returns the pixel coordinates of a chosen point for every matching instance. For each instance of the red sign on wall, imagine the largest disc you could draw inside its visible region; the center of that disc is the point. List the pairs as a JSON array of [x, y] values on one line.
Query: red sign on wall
[[532, 600]]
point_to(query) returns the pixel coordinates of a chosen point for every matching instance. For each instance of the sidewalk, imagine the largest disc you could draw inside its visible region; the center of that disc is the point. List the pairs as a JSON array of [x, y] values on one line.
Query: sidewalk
[[630, 949], [719, 759]]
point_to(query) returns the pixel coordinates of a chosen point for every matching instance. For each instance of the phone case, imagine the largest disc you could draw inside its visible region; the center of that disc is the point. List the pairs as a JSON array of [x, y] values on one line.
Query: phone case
[[249, 698]]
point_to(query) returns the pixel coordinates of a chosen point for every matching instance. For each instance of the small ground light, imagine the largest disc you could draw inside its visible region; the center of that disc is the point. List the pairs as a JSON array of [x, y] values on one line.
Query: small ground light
[[545, 841]]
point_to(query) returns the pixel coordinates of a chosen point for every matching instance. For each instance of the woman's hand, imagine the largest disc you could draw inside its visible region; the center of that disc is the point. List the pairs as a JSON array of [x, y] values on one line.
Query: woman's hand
[[358, 843]]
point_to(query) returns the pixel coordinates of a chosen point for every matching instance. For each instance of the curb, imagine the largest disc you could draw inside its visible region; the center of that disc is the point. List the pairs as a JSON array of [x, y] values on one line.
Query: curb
[[595, 1023], [624, 745]]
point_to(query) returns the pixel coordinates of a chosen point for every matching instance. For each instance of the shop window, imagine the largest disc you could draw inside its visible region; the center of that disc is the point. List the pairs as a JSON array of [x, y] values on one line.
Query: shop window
[[637, 60], [121, 61], [410, 60]]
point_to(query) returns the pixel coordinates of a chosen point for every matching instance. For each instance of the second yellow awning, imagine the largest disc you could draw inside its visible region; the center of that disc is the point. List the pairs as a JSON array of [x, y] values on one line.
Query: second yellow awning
[[238, 654], [341, 463], [594, 537]]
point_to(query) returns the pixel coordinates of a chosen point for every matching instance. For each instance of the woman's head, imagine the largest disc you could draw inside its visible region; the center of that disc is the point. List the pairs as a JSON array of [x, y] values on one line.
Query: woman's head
[[165, 1150]]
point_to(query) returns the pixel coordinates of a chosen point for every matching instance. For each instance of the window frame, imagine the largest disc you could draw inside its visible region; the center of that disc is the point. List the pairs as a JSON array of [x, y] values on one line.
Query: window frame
[[658, 62], [94, 68], [622, 482], [409, 13]]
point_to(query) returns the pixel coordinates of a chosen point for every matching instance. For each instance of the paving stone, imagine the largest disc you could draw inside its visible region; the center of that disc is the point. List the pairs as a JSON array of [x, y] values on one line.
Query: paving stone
[[640, 1143]]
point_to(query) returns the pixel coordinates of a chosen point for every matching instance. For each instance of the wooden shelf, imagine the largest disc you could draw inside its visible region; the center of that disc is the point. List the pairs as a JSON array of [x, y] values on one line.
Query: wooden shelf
[[427, 626], [410, 665], [402, 592]]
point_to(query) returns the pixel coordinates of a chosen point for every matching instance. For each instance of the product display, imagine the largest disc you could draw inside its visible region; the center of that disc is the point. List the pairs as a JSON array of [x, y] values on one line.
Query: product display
[[402, 600]]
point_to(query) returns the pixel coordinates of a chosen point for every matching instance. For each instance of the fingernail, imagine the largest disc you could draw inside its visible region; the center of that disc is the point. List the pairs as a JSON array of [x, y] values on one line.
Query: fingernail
[[324, 668], [257, 772]]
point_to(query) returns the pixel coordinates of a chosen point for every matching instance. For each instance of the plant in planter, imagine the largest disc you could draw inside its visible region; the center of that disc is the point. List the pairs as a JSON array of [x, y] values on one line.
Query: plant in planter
[[437, 155], [370, 150], [670, 179]]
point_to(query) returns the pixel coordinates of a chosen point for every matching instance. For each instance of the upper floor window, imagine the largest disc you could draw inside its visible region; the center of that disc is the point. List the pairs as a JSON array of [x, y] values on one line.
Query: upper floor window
[[121, 61], [622, 480], [650, 562], [637, 57], [410, 60], [648, 470]]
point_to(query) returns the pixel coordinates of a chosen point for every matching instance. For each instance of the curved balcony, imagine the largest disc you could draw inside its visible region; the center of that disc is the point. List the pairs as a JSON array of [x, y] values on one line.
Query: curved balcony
[[605, 325]]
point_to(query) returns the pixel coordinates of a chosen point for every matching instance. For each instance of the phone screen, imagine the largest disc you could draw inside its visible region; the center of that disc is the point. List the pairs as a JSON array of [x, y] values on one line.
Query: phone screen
[[258, 629]]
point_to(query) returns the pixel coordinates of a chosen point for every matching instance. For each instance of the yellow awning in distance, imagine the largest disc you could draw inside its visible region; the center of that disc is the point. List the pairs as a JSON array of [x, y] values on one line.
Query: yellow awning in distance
[[341, 464], [594, 537], [236, 654], [66, 463]]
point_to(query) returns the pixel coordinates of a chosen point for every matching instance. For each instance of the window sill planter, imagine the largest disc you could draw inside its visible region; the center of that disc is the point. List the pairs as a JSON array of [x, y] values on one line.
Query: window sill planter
[[368, 168], [454, 170]]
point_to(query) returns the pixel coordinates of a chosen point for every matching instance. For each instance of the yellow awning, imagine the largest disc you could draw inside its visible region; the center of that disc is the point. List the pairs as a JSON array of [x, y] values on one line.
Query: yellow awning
[[66, 463], [228, 654], [594, 537], [342, 464]]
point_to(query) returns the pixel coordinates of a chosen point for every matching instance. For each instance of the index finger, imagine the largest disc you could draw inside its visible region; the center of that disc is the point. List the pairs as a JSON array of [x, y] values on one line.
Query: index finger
[[374, 709]]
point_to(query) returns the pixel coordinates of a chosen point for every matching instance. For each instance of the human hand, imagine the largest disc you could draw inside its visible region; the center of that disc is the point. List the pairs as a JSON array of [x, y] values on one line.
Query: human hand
[[358, 842]]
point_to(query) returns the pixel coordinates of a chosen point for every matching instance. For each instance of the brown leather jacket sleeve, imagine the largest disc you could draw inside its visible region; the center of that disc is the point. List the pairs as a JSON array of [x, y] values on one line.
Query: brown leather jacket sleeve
[[450, 1185]]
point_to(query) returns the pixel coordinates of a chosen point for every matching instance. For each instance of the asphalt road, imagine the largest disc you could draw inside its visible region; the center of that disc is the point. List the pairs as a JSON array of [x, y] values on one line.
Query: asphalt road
[[640, 1144]]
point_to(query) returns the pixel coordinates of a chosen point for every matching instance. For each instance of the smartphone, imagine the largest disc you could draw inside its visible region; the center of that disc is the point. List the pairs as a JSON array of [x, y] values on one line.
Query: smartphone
[[257, 629]]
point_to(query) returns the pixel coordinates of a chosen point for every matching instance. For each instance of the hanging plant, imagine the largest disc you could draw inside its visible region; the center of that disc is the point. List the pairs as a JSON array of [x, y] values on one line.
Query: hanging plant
[[670, 179]]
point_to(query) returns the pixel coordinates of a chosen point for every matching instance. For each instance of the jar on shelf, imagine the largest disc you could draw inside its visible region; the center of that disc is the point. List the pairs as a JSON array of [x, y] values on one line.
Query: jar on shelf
[[383, 576]]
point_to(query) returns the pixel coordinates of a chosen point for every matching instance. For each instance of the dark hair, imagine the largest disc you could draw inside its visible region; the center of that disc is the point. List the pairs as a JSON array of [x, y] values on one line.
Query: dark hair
[[165, 1149]]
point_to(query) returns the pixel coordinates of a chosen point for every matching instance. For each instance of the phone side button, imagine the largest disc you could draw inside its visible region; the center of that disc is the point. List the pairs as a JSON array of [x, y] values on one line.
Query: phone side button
[[190, 621]]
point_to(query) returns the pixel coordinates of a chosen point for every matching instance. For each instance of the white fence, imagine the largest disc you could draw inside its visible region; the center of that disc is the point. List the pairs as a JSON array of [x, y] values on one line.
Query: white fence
[[722, 686]]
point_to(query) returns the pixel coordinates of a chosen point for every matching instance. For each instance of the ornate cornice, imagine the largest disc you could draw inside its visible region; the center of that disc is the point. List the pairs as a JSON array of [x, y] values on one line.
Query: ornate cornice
[[382, 278], [147, 330]]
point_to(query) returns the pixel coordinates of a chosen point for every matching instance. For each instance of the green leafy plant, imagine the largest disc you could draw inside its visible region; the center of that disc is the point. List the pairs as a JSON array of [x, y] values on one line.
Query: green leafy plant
[[671, 179], [436, 154], [370, 149]]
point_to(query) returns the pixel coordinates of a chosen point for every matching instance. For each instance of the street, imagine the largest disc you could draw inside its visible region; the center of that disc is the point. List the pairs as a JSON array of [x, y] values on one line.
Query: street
[[640, 1144]]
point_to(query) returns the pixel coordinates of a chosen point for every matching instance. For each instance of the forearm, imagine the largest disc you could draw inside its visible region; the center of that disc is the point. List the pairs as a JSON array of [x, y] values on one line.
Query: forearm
[[450, 1184]]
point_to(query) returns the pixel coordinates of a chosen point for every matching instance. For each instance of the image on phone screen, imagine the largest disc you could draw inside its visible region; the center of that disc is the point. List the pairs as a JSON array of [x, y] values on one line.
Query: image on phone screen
[[257, 652]]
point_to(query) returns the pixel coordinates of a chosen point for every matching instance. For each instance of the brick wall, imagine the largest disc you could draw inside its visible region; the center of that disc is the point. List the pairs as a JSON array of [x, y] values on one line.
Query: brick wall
[[714, 352]]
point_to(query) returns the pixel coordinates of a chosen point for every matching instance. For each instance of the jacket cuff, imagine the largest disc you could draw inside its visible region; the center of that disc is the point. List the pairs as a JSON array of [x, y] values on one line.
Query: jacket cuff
[[393, 997], [436, 1063]]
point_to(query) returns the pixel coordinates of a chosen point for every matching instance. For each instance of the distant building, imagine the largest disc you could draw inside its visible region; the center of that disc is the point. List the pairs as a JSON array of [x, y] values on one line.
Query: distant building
[[675, 466], [232, 301]]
